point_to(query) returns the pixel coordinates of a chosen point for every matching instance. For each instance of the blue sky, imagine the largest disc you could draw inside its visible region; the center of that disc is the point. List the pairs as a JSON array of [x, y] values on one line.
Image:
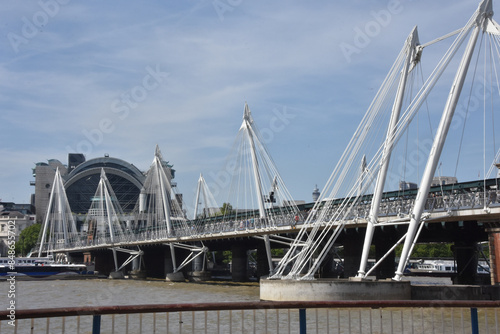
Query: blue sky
[[119, 77]]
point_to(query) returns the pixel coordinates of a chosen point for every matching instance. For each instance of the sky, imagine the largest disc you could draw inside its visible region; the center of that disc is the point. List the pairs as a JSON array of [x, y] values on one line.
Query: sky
[[120, 77]]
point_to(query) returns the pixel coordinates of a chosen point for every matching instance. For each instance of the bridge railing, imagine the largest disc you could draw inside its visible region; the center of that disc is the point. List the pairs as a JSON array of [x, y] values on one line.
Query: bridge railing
[[397, 207], [435, 203], [403, 316]]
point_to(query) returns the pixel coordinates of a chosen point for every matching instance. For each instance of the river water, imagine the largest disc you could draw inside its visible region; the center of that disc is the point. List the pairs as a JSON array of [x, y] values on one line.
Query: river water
[[105, 292]]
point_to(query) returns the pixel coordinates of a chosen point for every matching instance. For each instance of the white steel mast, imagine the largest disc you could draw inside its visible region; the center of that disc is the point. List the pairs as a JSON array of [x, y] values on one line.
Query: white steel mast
[[247, 124], [482, 15], [411, 45]]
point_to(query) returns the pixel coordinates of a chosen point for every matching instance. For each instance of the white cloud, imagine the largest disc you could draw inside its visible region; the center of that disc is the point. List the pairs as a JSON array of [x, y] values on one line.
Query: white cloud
[[64, 80]]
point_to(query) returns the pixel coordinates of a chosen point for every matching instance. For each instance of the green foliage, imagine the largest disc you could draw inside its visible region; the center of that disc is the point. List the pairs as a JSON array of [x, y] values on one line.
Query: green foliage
[[277, 252], [27, 239], [226, 209], [484, 252], [222, 257], [227, 257], [428, 250]]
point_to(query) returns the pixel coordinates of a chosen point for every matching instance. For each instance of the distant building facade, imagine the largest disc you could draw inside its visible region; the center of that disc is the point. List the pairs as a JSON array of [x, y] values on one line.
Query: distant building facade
[[81, 178], [44, 176], [15, 221], [404, 185], [81, 183], [443, 180]]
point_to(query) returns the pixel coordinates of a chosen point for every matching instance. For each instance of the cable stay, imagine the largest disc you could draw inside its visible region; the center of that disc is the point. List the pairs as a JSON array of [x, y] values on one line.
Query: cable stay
[[204, 200], [158, 214], [480, 21], [412, 43], [104, 221], [328, 216], [257, 197], [59, 228]]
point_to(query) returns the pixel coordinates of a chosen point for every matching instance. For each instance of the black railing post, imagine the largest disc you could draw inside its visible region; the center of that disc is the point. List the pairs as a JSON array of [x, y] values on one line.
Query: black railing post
[[96, 324], [302, 321], [474, 323]]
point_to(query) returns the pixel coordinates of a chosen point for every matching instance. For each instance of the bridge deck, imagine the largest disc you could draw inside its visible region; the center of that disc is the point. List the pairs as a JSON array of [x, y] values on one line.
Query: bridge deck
[[451, 203]]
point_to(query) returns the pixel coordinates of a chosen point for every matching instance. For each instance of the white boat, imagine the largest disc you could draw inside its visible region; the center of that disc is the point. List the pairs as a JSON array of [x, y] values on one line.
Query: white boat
[[38, 267], [442, 267]]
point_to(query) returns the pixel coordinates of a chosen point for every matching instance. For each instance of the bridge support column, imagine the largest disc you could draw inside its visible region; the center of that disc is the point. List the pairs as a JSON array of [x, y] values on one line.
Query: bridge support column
[[198, 264], [239, 263], [353, 247], [494, 243], [169, 266], [383, 243], [168, 263], [466, 257], [135, 265], [199, 273], [262, 263]]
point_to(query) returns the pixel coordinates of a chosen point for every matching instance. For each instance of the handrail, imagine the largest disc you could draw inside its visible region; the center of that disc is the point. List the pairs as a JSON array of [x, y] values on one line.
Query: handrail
[[225, 306], [450, 201]]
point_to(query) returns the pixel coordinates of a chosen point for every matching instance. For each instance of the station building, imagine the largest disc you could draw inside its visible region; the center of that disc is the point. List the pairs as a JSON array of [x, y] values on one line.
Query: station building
[[81, 178]]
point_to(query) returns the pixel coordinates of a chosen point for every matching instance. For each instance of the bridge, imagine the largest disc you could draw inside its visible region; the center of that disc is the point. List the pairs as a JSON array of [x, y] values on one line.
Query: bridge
[[354, 199], [446, 204]]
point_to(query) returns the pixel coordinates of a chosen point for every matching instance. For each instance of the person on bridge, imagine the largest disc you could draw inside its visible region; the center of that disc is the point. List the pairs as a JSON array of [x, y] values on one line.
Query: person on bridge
[[296, 220]]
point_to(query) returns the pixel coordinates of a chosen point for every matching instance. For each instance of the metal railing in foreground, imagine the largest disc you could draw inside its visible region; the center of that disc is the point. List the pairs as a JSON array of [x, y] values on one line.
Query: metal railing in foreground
[[402, 316]]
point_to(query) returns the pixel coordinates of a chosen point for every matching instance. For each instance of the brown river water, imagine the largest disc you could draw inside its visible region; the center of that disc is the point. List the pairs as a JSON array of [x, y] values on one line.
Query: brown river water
[[105, 292]]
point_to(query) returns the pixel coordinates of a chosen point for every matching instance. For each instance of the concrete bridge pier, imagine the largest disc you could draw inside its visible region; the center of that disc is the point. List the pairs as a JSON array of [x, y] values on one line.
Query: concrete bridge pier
[[239, 263], [135, 265], [198, 264], [199, 273], [136, 272], [169, 274], [168, 264]]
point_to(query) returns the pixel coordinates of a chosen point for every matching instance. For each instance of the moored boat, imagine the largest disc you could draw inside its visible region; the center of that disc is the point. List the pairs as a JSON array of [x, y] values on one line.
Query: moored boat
[[38, 267]]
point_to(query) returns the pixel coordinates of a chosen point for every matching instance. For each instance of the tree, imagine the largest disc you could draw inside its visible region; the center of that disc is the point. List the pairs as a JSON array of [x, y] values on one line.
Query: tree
[[428, 250], [27, 239], [226, 209]]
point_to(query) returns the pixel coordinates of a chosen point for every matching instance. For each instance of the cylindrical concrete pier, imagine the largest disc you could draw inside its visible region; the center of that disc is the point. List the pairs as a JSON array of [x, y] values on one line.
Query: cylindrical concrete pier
[[333, 289]]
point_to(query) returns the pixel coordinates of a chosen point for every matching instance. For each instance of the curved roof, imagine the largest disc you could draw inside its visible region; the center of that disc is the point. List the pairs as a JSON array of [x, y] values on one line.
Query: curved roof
[[111, 166], [108, 170], [125, 179], [54, 161]]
